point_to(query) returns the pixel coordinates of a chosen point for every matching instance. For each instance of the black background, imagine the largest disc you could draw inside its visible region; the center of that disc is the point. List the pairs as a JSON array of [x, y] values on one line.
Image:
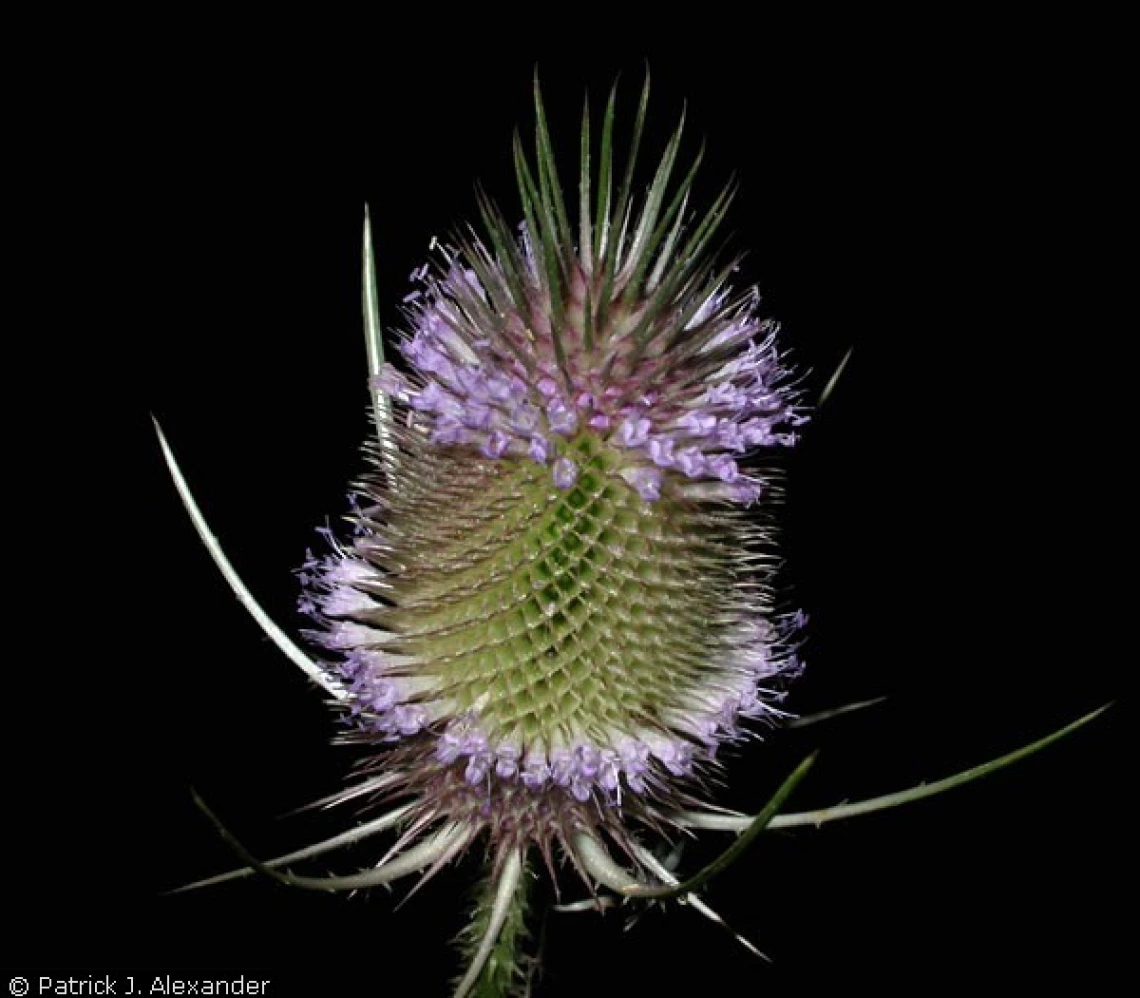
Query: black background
[[923, 203]]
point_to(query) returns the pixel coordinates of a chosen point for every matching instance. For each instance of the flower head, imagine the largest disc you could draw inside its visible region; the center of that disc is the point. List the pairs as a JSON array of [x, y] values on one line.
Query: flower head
[[554, 608]]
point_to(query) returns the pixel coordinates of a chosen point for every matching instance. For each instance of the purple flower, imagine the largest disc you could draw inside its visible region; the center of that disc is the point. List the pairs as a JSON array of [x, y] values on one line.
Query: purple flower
[[565, 473], [633, 432]]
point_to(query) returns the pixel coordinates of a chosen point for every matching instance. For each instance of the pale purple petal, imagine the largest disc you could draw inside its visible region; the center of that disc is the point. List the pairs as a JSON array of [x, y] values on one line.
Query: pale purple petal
[[633, 432], [724, 468], [691, 461], [562, 419], [539, 449], [697, 423], [661, 451], [565, 473], [496, 444]]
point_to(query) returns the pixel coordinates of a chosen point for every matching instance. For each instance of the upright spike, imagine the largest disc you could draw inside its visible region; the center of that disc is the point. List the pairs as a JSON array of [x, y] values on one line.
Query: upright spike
[[545, 242], [585, 233], [374, 345], [541, 229], [507, 254], [625, 192], [672, 220], [548, 182], [605, 182], [640, 250]]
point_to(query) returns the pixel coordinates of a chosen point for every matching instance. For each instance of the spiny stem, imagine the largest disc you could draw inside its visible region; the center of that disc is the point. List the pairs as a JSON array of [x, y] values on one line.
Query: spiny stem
[[496, 934]]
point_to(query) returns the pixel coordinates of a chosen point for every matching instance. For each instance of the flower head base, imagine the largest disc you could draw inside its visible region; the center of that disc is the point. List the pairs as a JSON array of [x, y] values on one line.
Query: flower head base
[[555, 595]]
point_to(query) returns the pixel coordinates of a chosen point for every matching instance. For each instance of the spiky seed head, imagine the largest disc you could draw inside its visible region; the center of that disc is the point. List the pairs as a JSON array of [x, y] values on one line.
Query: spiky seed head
[[554, 608]]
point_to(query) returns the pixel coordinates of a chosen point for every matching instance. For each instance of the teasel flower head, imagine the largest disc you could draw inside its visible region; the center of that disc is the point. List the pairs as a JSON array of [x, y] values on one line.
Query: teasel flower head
[[553, 610], [554, 604], [554, 607]]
